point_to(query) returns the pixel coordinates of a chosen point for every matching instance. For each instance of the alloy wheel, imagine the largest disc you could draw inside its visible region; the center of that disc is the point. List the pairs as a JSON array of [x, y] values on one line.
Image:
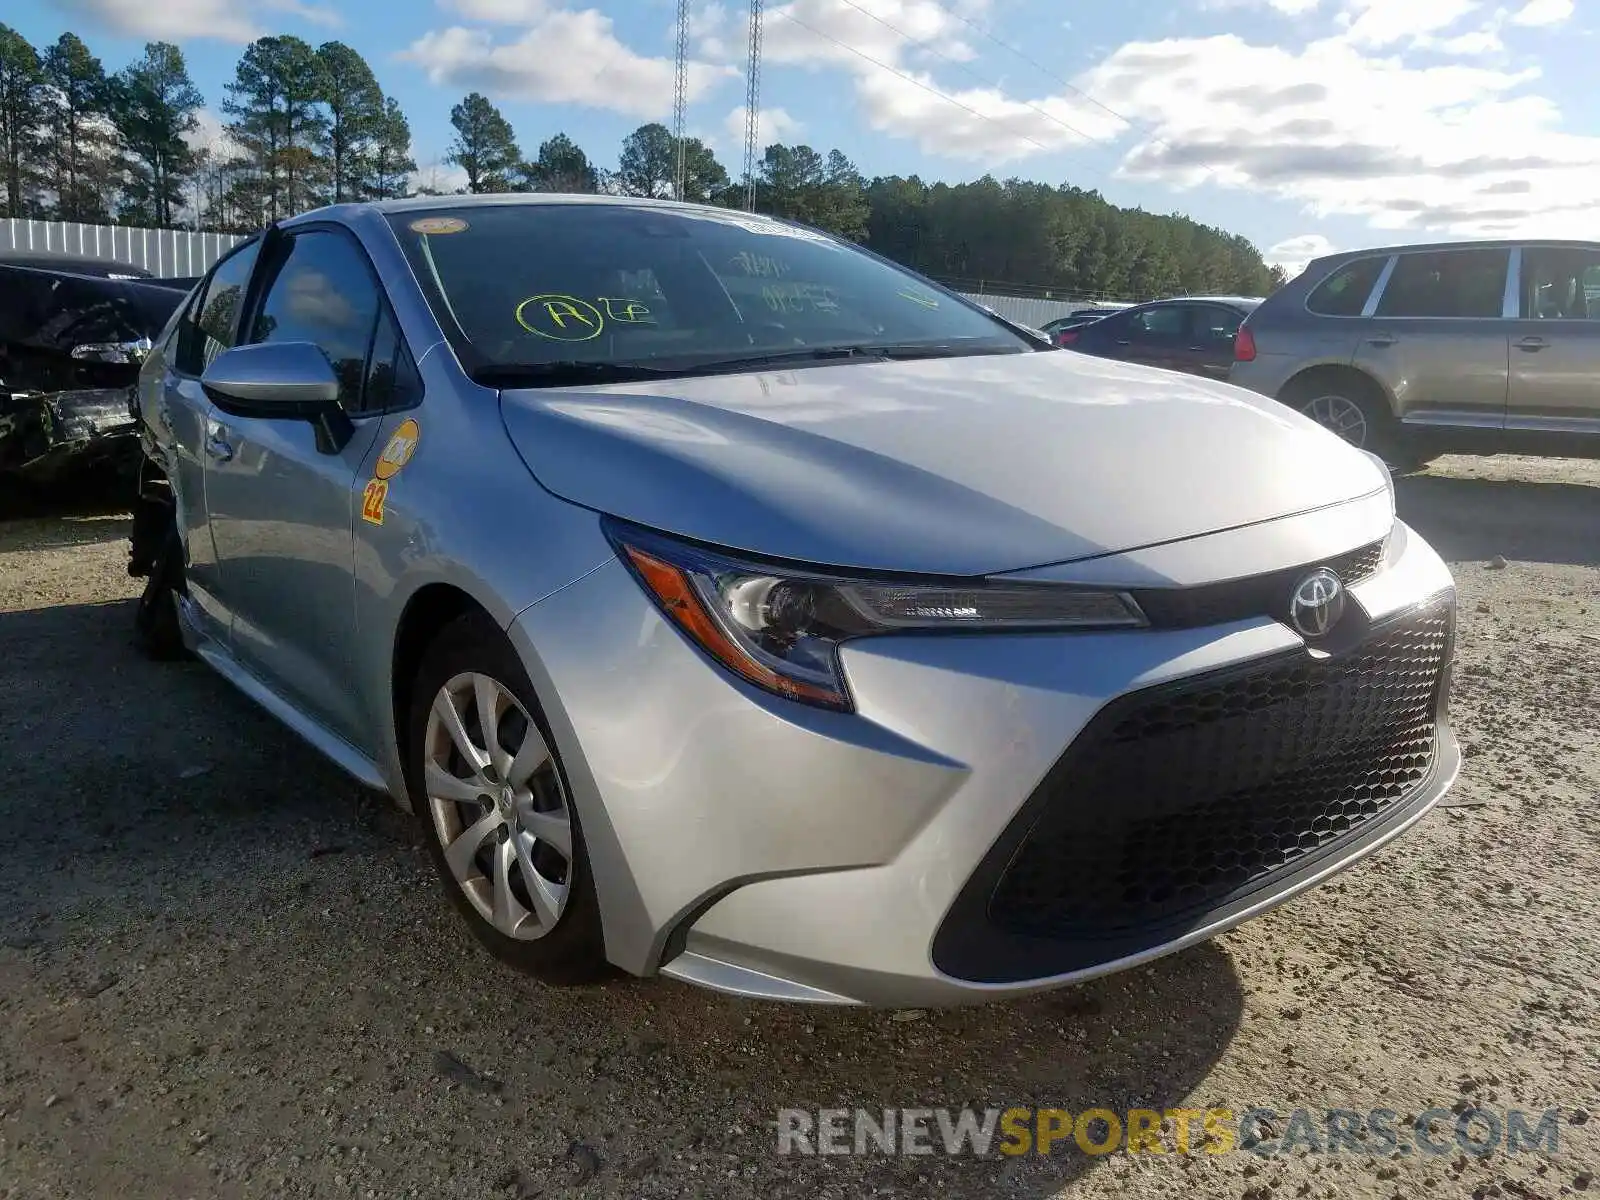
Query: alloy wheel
[[498, 806], [1342, 416]]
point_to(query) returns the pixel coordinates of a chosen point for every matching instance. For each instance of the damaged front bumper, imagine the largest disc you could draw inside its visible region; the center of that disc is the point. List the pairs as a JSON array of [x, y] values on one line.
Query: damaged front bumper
[[44, 435]]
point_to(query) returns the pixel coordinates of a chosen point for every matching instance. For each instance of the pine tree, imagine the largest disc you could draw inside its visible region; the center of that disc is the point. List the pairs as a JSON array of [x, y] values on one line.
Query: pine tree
[[84, 162], [278, 128], [355, 106], [485, 146], [392, 163], [153, 106], [22, 109]]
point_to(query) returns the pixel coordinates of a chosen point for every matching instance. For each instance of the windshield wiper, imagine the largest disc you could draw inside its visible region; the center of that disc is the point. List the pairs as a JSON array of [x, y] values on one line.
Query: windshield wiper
[[821, 354], [564, 371]]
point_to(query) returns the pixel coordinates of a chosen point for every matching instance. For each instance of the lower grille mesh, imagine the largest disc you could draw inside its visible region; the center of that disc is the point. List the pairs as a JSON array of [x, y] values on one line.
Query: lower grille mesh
[[1193, 794]]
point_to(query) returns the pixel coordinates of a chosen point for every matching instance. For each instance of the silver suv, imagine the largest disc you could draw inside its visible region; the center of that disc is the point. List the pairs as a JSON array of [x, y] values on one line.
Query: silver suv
[[1415, 351]]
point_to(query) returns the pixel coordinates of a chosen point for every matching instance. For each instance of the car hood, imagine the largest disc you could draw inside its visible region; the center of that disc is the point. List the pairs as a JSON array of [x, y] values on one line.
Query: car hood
[[961, 466]]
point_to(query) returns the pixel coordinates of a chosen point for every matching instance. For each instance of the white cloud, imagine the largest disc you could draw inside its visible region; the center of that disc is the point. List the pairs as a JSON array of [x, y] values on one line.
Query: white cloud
[[441, 177], [502, 12], [563, 56], [1379, 23], [1292, 254], [312, 13], [970, 121], [776, 126], [169, 20], [1458, 148], [1543, 12]]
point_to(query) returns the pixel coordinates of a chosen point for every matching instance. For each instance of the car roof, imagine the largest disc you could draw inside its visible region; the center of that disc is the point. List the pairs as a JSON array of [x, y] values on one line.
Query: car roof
[[511, 200], [77, 264], [1234, 301]]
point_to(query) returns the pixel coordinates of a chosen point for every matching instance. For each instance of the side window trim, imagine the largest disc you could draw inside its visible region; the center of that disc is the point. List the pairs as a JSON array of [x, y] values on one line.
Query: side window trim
[[1374, 297], [1511, 302]]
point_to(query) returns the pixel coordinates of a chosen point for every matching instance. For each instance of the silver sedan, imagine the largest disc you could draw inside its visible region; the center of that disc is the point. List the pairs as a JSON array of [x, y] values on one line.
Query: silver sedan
[[731, 604]]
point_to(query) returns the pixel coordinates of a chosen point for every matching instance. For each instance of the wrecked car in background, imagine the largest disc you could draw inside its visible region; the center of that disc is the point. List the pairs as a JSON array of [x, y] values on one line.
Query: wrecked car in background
[[73, 333]]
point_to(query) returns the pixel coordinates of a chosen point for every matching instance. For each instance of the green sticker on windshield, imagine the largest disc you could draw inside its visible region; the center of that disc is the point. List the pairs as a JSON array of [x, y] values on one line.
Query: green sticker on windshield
[[921, 298]]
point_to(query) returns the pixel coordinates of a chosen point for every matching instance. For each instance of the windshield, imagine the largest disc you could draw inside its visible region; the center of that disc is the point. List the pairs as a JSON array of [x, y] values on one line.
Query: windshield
[[564, 289]]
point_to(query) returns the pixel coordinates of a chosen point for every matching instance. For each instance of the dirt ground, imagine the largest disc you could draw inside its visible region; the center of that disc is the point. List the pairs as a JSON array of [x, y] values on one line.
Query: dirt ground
[[225, 971]]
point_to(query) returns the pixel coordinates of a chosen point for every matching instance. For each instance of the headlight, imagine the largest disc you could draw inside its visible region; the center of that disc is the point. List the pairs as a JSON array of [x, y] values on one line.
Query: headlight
[[780, 627]]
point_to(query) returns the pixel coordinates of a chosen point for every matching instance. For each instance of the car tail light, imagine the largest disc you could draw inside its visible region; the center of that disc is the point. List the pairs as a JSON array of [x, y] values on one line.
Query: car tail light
[[1066, 337], [1244, 345]]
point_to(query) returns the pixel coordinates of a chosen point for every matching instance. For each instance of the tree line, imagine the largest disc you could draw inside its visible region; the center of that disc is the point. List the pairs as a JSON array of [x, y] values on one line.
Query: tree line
[[309, 125]]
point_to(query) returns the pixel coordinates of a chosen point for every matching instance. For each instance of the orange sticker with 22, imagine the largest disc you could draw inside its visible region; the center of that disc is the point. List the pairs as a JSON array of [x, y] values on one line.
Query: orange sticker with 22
[[372, 499]]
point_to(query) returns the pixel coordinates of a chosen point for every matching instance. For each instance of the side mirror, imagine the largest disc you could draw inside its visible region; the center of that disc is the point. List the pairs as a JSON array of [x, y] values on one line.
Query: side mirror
[[283, 381]]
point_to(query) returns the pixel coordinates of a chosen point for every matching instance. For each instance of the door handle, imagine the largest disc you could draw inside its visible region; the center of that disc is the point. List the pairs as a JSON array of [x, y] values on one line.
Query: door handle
[[1532, 344], [1124, 342], [218, 447], [1382, 339]]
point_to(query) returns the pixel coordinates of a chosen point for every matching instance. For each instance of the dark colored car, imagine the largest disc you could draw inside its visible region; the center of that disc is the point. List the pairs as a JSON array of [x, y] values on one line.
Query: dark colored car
[[1079, 317], [1193, 334], [71, 344]]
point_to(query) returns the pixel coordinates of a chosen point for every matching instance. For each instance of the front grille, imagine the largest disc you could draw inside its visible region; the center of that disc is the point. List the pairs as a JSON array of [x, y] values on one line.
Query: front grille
[[1180, 799], [1253, 596]]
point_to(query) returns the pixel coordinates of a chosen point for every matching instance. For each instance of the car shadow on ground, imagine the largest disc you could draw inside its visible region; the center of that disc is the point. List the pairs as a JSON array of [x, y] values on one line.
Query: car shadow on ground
[[1472, 520], [171, 812]]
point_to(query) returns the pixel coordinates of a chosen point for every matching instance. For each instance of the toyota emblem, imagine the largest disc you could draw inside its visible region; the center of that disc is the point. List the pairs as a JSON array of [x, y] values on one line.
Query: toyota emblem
[[1317, 603]]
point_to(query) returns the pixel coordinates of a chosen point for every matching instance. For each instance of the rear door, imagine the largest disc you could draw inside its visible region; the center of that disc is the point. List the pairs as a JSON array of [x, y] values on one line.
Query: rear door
[[1439, 337], [1212, 329], [1555, 343], [183, 418], [282, 511]]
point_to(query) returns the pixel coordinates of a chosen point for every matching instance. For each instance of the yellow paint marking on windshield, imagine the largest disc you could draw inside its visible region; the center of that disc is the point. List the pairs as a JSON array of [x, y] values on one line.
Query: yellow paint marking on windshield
[[560, 317], [629, 312], [438, 225], [398, 450], [918, 298]]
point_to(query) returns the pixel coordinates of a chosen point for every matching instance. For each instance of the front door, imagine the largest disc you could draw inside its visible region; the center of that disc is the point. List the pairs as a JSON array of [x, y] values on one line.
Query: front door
[[1555, 344], [183, 416], [282, 511], [1438, 341]]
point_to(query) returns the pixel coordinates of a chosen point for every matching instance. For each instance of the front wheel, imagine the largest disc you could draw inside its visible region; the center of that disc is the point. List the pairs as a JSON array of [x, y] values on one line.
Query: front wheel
[[487, 785], [155, 621]]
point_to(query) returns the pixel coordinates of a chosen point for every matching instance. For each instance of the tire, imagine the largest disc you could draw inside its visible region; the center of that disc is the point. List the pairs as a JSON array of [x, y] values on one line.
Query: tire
[[1354, 408], [155, 621], [494, 845]]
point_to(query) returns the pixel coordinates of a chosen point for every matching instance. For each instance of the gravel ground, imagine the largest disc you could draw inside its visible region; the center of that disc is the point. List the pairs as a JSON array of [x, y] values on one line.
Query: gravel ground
[[225, 971]]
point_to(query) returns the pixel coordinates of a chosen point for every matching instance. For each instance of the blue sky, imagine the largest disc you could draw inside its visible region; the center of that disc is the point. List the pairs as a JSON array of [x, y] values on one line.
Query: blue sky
[[1303, 124]]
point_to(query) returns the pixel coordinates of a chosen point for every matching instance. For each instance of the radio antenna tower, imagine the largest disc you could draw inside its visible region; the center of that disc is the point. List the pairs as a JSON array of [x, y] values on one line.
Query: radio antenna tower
[[680, 99], [752, 107]]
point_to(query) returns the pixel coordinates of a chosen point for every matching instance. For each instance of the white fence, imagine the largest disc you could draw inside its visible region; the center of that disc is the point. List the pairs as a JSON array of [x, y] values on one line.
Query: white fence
[[171, 253]]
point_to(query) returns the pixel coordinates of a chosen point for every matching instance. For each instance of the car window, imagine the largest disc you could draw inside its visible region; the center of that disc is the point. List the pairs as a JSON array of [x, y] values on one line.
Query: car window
[[321, 290], [1345, 292], [1560, 283], [1212, 324], [209, 325], [1165, 324], [392, 380], [1446, 283], [529, 285]]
